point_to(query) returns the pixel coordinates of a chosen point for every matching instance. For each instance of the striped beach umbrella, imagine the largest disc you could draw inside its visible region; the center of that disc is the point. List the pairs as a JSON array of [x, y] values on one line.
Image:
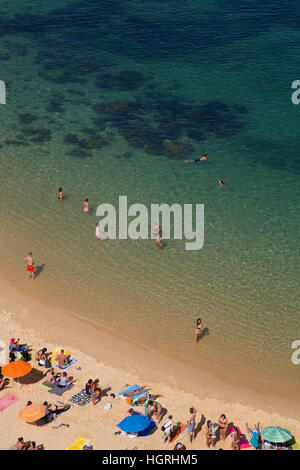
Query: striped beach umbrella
[[32, 413], [276, 434]]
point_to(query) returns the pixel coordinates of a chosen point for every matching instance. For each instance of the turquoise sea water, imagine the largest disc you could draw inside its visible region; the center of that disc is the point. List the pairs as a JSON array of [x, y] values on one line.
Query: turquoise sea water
[[108, 98]]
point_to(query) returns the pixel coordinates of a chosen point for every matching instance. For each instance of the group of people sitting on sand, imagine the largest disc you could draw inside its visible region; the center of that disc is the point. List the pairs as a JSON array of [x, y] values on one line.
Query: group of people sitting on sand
[[29, 445], [18, 351], [93, 388]]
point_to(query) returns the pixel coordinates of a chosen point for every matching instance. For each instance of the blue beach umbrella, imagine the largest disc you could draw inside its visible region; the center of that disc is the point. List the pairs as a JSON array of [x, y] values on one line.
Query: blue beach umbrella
[[276, 434], [135, 423]]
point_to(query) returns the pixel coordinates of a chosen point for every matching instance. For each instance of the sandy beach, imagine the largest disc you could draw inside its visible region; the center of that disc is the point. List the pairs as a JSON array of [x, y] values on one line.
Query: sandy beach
[[116, 362]]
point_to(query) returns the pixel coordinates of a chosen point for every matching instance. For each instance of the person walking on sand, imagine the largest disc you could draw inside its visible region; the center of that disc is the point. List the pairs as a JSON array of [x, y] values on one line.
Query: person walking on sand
[[30, 265], [191, 423], [86, 208], [198, 330]]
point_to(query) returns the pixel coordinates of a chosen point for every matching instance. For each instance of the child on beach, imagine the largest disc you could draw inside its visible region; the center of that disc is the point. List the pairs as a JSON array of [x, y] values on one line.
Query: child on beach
[[86, 208]]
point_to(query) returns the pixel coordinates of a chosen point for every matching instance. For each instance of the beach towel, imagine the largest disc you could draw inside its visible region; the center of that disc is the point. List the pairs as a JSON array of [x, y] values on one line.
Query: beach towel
[[7, 400], [66, 366], [81, 398], [78, 444], [177, 430], [182, 434], [128, 390], [55, 389], [52, 357], [243, 442]]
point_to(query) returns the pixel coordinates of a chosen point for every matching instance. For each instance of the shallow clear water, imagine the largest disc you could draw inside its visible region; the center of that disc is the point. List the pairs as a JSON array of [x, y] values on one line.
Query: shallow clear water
[[215, 78]]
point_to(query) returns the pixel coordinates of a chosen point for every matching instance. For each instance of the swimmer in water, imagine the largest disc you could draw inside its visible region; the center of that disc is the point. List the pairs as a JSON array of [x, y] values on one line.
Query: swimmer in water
[[86, 208], [222, 184], [205, 157], [159, 241], [60, 194]]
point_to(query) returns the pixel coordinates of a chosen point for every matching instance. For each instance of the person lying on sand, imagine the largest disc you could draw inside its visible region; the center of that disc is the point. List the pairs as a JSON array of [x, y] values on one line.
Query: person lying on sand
[[134, 393], [62, 359], [3, 381], [145, 398], [55, 409]]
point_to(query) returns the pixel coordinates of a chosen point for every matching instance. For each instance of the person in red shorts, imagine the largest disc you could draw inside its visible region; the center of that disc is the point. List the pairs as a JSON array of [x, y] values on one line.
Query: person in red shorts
[[30, 265]]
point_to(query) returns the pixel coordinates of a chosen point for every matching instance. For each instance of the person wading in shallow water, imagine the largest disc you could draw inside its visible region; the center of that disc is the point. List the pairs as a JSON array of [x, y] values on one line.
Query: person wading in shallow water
[[29, 261], [198, 330]]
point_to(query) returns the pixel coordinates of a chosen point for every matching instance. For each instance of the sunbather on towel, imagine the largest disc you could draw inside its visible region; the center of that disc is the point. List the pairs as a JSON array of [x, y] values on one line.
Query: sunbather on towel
[[143, 399], [3, 381], [65, 380], [55, 409], [134, 393], [62, 359]]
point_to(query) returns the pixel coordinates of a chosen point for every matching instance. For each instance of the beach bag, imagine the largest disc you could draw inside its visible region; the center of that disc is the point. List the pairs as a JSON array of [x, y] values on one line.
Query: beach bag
[[47, 364]]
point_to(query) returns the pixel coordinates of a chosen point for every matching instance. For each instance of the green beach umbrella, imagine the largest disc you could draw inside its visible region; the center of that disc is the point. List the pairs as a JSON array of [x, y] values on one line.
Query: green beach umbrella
[[276, 434]]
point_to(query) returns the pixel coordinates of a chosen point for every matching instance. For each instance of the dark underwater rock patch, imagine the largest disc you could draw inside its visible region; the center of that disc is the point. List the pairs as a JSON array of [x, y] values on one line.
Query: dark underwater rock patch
[[92, 143], [125, 80], [41, 135], [27, 118], [71, 139]]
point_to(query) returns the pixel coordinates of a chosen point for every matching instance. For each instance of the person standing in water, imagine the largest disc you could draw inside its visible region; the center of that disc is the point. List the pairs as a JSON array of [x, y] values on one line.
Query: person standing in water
[[60, 194], [198, 330], [222, 184], [86, 208], [97, 232], [159, 241], [30, 265]]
